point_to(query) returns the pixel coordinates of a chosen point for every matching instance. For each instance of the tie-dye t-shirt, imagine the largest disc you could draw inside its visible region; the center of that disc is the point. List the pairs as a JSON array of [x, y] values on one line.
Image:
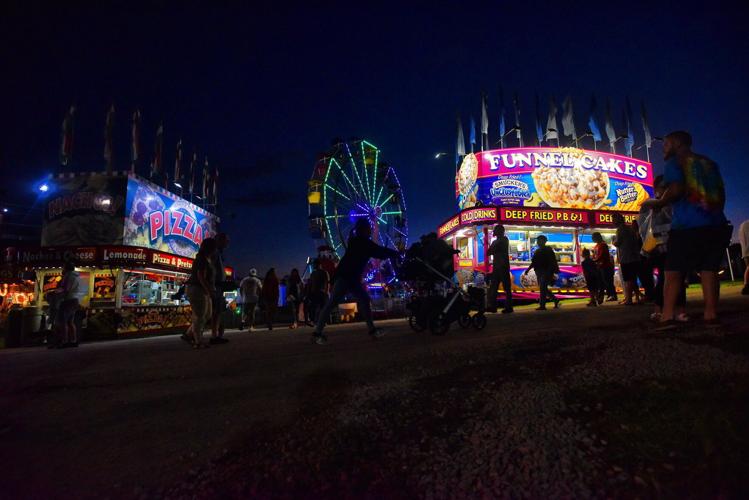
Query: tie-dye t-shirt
[[704, 193]]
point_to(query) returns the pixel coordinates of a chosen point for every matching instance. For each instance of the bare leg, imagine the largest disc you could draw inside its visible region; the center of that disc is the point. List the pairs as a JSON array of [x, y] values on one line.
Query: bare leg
[[711, 293], [71, 331], [746, 271], [627, 292], [671, 288]]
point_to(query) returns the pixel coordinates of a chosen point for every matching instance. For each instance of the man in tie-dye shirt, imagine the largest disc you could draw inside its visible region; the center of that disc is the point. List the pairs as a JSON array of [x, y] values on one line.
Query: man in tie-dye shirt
[[699, 230]]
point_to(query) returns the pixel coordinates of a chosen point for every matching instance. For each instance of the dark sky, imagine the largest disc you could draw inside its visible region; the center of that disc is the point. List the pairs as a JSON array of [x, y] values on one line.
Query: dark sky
[[262, 91]]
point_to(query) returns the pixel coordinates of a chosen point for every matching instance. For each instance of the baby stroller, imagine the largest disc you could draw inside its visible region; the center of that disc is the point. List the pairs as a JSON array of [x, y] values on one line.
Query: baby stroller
[[436, 302]]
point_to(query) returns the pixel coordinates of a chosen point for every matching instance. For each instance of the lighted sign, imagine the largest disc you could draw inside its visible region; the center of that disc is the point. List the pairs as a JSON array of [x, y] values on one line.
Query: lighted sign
[[111, 255], [104, 286], [605, 218], [39, 256], [544, 177], [449, 226], [174, 261], [160, 220], [545, 216], [476, 215]]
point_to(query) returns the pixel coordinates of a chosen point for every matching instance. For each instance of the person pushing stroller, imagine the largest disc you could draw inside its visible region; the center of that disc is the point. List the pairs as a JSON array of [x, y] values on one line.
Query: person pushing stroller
[[348, 276]]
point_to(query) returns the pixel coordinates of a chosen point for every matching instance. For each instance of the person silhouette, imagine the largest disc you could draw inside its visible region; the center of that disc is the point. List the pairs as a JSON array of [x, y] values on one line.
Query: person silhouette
[[348, 278]]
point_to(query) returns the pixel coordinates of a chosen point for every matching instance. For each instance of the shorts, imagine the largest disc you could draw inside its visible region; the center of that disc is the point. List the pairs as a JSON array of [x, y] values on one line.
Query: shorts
[[629, 271], [66, 311], [744, 239], [218, 303], [697, 249]]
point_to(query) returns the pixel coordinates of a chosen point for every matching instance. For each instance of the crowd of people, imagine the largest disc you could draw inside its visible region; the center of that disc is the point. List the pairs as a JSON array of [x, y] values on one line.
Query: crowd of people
[[681, 230]]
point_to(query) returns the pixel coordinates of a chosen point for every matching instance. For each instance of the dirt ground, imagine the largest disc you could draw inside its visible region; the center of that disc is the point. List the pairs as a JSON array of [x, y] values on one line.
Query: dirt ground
[[572, 402]]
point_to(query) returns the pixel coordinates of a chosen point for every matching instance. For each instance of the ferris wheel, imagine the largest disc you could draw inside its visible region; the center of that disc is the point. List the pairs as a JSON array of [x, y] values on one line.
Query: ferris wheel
[[350, 182]]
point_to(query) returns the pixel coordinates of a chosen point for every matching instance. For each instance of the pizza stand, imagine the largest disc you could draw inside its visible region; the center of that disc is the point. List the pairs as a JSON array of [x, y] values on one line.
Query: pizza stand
[[132, 243], [566, 194]]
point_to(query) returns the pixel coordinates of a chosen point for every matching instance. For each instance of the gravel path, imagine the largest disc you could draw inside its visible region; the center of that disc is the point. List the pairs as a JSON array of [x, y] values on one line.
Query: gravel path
[[568, 403], [490, 426]]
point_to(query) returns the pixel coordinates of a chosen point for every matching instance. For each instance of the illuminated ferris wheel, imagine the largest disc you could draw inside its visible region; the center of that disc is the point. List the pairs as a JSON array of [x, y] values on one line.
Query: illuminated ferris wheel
[[349, 182]]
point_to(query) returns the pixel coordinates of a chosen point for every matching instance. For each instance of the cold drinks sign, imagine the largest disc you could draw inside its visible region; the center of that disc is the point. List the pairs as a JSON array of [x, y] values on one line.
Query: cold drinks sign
[[545, 177]]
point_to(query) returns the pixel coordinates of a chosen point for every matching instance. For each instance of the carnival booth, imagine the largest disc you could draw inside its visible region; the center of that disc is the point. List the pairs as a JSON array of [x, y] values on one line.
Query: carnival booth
[[566, 194], [132, 242]]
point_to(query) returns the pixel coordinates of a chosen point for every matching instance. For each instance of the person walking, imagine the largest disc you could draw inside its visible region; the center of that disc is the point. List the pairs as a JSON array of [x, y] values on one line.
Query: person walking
[[628, 252], [200, 289], [294, 296], [602, 258], [69, 297], [359, 250], [699, 232], [744, 242], [592, 277], [544, 261], [249, 291], [218, 302], [645, 269], [269, 296], [499, 250], [317, 290], [655, 248]]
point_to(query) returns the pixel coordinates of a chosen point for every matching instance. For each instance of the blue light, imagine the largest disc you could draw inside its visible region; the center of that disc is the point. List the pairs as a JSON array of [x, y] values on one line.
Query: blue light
[[44, 187]]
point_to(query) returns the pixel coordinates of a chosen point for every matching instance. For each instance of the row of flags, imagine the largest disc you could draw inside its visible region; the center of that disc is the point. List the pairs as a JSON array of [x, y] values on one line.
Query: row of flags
[[551, 132], [183, 180]]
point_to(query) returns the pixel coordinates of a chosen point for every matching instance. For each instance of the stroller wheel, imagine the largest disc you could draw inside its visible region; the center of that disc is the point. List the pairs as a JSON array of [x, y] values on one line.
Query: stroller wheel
[[464, 320], [479, 321], [439, 325], [415, 326]]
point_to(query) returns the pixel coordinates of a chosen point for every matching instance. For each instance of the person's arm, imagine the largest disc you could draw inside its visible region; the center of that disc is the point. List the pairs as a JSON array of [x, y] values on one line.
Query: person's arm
[[673, 176], [375, 251], [493, 247], [617, 237], [203, 279], [532, 264]]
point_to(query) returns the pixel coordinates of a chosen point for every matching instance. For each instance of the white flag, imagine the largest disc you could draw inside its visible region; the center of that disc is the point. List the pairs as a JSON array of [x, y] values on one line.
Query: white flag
[[460, 146], [552, 131], [568, 120], [484, 116], [645, 126], [610, 132]]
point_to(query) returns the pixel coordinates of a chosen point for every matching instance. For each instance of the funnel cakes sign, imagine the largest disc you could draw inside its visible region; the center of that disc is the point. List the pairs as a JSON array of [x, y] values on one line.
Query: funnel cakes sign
[[542, 177]]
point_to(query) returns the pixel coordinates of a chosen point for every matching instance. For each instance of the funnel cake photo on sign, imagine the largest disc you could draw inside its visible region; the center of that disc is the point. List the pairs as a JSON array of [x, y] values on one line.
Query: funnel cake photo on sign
[[466, 179]]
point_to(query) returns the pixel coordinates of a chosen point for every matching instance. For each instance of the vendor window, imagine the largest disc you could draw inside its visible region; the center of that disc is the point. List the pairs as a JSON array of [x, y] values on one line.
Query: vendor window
[[562, 243], [465, 247], [519, 249], [145, 289]]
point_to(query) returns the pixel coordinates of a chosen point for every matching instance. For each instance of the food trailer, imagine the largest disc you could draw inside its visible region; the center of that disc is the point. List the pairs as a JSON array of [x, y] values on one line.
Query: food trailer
[[132, 243], [566, 194]]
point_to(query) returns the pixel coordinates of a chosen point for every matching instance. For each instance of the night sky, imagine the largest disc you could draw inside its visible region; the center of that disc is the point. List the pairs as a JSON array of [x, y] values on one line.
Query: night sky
[[262, 91]]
